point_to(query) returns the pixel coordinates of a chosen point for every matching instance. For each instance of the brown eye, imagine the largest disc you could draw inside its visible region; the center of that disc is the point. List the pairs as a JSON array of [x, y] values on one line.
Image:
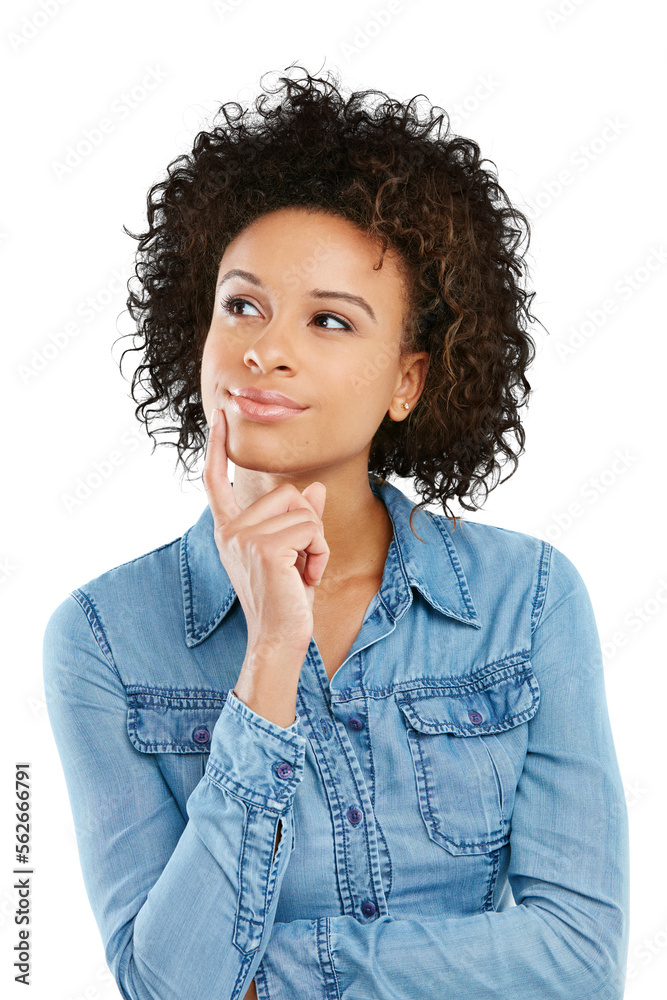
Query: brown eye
[[345, 326], [229, 303]]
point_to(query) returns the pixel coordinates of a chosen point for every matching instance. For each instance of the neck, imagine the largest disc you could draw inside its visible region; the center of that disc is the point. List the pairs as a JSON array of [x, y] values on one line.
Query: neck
[[357, 525]]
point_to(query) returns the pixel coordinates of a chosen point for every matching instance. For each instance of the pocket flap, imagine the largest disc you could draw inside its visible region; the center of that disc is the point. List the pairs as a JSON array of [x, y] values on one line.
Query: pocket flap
[[482, 703], [172, 720]]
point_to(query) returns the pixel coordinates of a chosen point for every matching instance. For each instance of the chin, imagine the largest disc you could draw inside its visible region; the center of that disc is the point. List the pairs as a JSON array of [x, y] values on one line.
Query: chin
[[262, 464]]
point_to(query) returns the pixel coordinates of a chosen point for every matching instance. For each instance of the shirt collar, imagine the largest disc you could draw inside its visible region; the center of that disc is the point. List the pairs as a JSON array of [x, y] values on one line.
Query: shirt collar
[[432, 566]]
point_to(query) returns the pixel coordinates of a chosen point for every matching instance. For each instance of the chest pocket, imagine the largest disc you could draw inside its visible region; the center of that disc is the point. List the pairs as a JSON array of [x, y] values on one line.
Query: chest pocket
[[468, 742], [175, 724]]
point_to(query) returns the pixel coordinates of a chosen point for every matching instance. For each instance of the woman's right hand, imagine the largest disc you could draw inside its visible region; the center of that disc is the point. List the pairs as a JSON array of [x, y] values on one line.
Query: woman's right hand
[[274, 551]]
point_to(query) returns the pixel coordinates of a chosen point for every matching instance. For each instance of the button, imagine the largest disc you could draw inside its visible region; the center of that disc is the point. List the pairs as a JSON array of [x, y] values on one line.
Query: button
[[284, 770], [354, 815], [355, 723], [368, 908], [201, 735], [475, 717]]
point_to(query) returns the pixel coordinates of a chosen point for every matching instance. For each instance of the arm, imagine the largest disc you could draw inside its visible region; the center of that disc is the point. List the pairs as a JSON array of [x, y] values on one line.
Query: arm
[[185, 908], [567, 937]]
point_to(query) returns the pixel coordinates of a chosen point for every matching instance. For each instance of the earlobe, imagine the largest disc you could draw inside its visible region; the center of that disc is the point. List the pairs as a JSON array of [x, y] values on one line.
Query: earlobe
[[404, 406]]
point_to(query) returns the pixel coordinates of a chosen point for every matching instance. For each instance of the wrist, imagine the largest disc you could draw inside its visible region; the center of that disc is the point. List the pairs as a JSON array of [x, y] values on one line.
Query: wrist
[[268, 682]]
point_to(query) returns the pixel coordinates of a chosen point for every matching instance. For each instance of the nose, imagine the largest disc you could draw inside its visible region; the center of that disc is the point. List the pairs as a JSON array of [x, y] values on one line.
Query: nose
[[273, 346]]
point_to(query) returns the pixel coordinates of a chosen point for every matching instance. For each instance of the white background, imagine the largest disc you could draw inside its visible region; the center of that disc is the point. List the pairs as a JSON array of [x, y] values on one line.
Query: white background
[[537, 85]]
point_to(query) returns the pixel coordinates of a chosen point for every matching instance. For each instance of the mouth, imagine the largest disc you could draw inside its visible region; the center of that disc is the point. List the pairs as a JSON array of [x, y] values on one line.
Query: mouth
[[268, 411]]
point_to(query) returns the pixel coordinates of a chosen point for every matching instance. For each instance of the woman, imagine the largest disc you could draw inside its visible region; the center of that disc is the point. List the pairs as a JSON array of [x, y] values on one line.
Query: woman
[[327, 743]]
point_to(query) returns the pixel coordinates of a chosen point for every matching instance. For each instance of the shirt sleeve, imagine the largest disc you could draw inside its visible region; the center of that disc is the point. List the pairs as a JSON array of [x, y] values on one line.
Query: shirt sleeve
[[184, 907], [567, 935]]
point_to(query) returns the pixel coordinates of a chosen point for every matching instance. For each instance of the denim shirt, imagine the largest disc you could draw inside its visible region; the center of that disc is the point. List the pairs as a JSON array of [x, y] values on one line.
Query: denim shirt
[[452, 815]]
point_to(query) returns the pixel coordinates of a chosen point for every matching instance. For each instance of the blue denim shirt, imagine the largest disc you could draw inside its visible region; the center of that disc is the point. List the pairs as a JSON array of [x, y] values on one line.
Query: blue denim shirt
[[453, 820]]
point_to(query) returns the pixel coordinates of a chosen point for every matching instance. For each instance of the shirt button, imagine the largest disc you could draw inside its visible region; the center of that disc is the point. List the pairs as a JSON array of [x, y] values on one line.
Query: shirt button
[[201, 735], [284, 770], [355, 723], [368, 908], [475, 717], [354, 815]]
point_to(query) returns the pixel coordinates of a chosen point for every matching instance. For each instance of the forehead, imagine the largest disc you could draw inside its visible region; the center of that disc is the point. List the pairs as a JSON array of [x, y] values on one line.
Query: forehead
[[301, 247]]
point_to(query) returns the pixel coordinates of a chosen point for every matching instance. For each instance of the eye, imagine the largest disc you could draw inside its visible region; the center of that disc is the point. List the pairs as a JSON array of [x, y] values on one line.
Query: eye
[[344, 326], [229, 303]]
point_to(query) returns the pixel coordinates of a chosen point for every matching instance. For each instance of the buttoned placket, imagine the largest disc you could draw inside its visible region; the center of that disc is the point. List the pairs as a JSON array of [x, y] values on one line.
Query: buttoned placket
[[333, 728]]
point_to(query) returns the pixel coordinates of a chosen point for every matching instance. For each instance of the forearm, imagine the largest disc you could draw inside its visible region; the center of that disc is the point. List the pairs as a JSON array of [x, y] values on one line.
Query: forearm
[[184, 906], [206, 920], [226, 869], [523, 952]]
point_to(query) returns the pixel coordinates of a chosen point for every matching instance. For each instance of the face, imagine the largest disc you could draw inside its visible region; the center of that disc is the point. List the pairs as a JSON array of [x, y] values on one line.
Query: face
[[310, 318]]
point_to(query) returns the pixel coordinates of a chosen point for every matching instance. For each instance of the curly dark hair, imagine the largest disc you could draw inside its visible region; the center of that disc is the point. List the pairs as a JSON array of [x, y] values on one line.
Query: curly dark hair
[[407, 183]]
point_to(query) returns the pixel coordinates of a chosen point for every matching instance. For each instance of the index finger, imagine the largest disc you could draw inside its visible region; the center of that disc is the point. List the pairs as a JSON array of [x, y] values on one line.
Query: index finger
[[221, 498]]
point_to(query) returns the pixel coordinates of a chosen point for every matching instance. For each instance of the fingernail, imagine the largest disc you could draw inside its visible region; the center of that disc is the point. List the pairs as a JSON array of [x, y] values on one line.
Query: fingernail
[[214, 415]]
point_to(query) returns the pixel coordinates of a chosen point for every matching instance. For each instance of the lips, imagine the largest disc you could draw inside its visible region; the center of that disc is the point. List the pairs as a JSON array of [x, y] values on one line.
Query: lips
[[267, 397]]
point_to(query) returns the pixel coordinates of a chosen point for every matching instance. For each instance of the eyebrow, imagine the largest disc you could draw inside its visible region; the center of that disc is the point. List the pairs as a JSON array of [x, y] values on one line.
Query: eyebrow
[[317, 293]]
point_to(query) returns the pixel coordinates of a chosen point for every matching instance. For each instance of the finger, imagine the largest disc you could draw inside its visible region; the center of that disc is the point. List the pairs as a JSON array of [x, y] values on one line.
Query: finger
[[297, 539], [297, 546], [281, 500], [301, 562], [311, 561], [221, 498], [317, 556], [314, 568], [316, 495]]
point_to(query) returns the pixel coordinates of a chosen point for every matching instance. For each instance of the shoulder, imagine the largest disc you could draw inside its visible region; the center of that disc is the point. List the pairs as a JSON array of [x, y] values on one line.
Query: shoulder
[[141, 568], [488, 548], [509, 562], [490, 541], [130, 586]]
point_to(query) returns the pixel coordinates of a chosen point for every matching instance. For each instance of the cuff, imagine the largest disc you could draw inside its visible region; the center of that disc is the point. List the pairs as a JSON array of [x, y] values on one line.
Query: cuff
[[255, 758]]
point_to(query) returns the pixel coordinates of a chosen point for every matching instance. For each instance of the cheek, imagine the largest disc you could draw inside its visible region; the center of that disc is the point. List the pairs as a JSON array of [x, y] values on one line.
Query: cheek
[[211, 367], [355, 406], [366, 376], [370, 390]]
